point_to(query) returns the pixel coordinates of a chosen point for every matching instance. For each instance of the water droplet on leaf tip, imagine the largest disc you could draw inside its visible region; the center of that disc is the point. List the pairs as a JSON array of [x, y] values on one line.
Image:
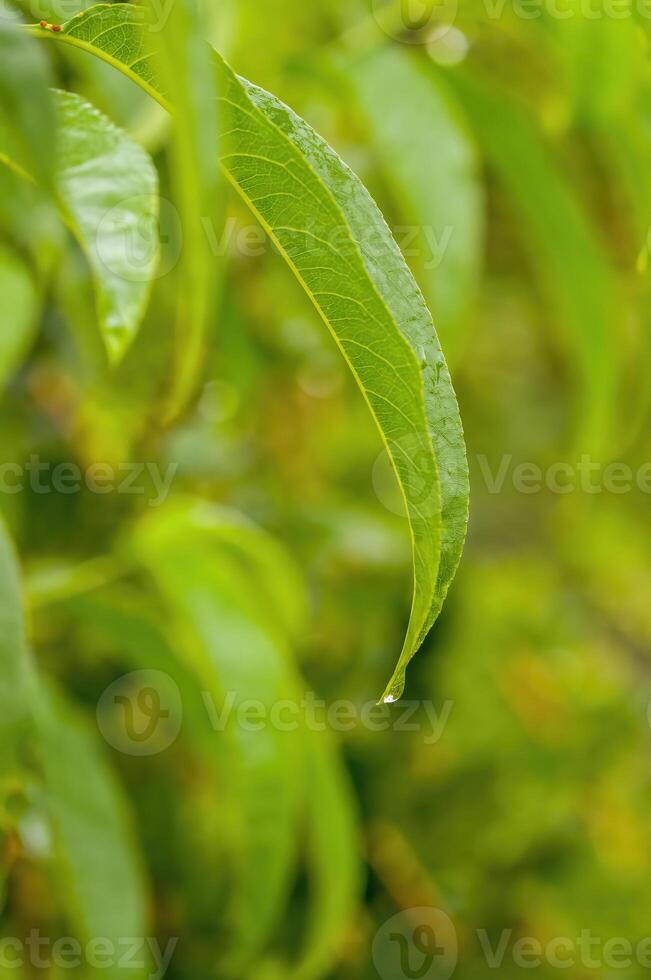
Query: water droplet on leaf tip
[[395, 691]]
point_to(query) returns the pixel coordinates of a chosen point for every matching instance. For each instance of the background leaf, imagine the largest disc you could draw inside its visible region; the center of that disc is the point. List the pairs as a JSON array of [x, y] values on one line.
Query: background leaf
[[575, 266], [240, 662], [96, 859], [94, 854], [332, 859], [109, 191], [20, 311], [182, 64], [15, 676], [431, 163], [27, 123]]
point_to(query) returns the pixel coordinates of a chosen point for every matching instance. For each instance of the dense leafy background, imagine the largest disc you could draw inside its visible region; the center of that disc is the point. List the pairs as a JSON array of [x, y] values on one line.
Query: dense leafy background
[[523, 146]]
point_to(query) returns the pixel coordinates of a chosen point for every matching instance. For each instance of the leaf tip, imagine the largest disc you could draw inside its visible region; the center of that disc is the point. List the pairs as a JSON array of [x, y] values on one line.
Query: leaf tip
[[394, 689]]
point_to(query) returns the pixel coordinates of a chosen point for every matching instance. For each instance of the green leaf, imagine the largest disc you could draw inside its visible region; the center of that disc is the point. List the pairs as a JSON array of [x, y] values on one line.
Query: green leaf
[[568, 251], [172, 63], [15, 668], [27, 142], [100, 873], [332, 844], [431, 163], [19, 313], [225, 635], [94, 853], [116, 34], [27, 125], [183, 66], [337, 244], [108, 189], [305, 194], [333, 859], [604, 67], [126, 626], [29, 219], [273, 575]]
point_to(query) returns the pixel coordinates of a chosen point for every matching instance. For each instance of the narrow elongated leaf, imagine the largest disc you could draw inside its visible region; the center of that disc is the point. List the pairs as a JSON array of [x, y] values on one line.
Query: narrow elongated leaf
[[109, 189], [15, 671], [333, 859], [337, 244], [604, 67], [183, 66], [104, 896], [367, 296], [225, 635], [331, 832], [129, 629], [430, 161], [100, 874], [628, 146], [19, 312], [332, 845], [274, 576], [578, 273], [106, 188]]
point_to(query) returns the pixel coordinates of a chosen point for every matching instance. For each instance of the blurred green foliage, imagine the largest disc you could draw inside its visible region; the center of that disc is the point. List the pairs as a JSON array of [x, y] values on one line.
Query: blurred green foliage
[[509, 147]]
